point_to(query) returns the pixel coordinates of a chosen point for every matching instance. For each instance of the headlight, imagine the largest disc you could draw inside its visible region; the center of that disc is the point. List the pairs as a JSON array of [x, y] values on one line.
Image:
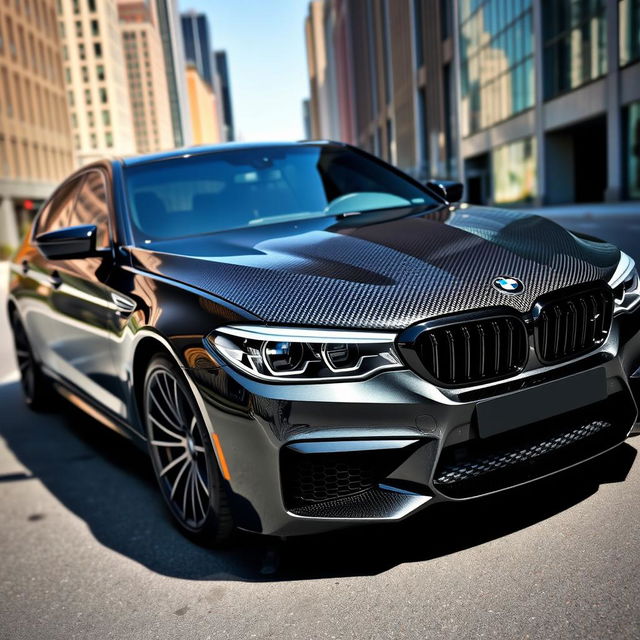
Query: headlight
[[280, 354], [626, 286]]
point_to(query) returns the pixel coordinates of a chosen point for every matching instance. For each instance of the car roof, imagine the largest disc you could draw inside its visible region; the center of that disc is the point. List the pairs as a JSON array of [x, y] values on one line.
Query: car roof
[[186, 152]]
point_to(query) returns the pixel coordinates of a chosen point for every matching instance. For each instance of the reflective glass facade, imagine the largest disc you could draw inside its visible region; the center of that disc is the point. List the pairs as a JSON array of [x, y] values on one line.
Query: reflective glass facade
[[514, 172], [633, 150], [575, 44], [496, 52], [629, 22]]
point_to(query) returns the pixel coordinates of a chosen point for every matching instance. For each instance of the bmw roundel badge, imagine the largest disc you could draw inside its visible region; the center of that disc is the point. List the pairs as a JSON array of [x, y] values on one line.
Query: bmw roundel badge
[[508, 285]]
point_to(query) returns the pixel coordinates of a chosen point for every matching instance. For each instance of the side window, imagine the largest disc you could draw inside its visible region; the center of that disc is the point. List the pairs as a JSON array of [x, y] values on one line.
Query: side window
[[57, 212], [91, 207]]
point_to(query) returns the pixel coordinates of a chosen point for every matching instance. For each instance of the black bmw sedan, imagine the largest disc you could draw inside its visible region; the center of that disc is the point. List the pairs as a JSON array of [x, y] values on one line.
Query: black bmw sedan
[[305, 338]]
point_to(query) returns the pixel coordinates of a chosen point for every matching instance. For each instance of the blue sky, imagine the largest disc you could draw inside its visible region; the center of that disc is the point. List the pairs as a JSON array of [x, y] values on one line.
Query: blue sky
[[265, 45]]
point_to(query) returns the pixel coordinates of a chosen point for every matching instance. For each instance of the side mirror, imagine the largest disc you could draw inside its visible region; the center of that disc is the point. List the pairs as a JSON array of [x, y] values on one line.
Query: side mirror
[[68, 243], [449, 190]]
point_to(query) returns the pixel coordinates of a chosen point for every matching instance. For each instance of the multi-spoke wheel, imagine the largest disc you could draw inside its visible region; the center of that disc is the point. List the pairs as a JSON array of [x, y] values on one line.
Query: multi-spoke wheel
[[182, 455], [38, 393]]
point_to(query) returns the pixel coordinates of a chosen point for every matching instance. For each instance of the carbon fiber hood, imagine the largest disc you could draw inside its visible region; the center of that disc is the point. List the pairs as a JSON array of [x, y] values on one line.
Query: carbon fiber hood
[[383, 275]]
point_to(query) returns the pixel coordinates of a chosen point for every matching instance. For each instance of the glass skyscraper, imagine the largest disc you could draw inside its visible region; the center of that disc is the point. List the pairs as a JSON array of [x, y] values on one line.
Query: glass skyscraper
[[197, 44]]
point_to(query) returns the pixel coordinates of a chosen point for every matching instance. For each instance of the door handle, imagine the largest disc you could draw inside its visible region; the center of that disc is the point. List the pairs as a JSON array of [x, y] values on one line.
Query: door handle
[[25, 267], [55, 279]]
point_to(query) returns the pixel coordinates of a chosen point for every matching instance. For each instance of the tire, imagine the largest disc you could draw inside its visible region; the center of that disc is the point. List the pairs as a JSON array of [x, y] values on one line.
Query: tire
[[39, 394], [182, 455]]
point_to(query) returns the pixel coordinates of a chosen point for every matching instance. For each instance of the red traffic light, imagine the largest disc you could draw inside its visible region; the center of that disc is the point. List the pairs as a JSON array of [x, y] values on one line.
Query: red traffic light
[[28, 205]]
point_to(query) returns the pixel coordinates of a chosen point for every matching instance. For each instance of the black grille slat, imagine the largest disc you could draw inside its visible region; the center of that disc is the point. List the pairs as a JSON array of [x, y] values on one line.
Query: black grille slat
[[583, 323], [467, 353], [496, 347], [474, 351], [579, 323]]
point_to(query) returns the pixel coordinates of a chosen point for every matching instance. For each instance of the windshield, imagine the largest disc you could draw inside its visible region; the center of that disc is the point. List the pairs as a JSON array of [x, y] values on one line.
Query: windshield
[[245, 187]]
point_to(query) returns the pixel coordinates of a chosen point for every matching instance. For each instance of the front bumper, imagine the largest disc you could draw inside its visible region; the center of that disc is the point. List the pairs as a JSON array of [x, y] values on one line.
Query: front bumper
[[311, 458]]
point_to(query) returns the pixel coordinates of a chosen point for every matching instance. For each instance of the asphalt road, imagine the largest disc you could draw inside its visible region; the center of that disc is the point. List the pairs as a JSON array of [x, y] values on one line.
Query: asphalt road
[[87, 551]]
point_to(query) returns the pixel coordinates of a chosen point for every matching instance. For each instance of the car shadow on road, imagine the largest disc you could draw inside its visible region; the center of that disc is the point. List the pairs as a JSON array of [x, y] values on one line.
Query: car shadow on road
[[106, 481]]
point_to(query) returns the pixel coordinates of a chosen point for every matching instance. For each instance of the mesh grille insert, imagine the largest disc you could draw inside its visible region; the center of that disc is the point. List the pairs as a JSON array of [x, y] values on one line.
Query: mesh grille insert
[[481, 466], [311, 478]]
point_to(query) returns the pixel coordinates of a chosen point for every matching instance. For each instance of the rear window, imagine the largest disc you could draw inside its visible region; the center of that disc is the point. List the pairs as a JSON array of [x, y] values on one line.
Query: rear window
[[245, 187]]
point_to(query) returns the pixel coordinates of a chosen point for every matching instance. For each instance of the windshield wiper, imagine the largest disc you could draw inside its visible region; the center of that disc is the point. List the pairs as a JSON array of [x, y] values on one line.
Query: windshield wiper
[[412, 209]]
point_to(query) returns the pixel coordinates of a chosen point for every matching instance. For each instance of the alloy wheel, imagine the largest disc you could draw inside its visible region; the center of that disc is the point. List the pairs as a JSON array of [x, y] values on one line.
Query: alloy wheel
[[176, 444]]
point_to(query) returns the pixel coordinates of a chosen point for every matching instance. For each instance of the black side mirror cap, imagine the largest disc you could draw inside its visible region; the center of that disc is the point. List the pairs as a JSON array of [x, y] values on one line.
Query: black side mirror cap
[[447, 189], [69, 243]]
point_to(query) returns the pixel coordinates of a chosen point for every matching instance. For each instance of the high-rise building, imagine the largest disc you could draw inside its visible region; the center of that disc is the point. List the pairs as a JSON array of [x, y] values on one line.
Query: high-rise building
[[36, 149], [96, 79], [550, 109], [204, 109], [165, 16], [526, 101], [197, 44], [375, 83], [225, 95], [306, 119], [147, 77]]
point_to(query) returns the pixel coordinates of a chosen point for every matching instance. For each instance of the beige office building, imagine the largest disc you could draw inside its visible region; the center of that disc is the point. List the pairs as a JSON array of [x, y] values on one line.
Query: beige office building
[[95, 73], [203, 105], [35, 139], [147, 77]]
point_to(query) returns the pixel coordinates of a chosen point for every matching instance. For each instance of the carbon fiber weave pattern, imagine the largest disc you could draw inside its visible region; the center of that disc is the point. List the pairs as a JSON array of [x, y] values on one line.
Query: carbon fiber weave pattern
[[390, 275], [375, 503]]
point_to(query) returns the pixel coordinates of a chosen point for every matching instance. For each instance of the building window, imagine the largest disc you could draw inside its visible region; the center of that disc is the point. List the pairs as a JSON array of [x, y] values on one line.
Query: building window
[[91, 4], [100, 72], [575, 44], [95, 28], [97, 49], [108, 137], [633, 150], [76, 6], [417, 33], [496, 51], [18, 93], [103, 95], [629, 23], [78, 29], [74, 120], [71, 98], [514, 172], [82, 52], [85, 73], [6, 91], [91, 119], [67, 75], [94, 141], [445, 18], [87, 96], [106, 118], [422, 132]]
